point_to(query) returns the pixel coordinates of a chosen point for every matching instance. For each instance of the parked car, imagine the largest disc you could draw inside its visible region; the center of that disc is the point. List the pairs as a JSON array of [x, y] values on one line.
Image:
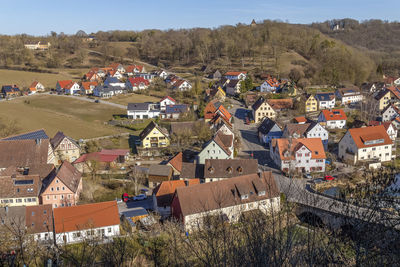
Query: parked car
[[329, 178], [97, 101], [139, 197]]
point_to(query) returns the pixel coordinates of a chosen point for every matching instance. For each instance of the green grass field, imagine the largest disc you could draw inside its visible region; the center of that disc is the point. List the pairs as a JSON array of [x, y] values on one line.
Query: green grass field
[[78, 119]]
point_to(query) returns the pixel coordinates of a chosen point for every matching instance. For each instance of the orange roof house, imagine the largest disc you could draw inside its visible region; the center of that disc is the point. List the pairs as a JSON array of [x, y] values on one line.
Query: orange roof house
[[332, 118], [164, 193], [176, 163], [72, 224], [215, 107], [36, 87], [302, 154]]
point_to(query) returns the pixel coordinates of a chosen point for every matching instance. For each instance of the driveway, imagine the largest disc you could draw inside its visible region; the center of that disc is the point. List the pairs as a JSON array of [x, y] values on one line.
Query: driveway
[[146, 204], [250, 145], [83, 98]]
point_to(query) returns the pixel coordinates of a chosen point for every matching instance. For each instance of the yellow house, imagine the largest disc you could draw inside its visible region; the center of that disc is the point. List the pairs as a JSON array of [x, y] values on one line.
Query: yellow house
[[262, 109], [311, 104], [154, 136], [383, 98]]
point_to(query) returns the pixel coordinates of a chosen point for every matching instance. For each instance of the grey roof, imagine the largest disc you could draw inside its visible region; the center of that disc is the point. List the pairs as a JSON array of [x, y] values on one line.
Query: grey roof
[[160, 170], [108, 88], [266, 125], [228, 168], [258, 103], [138, 106], [381, 94], [111, 80], [192, 171], [39, 134], [172, 109], [56, 140]]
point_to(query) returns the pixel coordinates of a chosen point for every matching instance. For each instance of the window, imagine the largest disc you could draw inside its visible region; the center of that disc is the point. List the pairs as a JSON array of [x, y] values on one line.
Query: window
[[63, 188], [33, 213], [58, 189], [56, 181], [52, 189], [55, 197]]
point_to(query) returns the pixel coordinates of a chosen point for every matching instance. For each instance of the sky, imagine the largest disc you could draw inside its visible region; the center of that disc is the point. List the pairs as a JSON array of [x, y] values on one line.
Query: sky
[[40, 17]]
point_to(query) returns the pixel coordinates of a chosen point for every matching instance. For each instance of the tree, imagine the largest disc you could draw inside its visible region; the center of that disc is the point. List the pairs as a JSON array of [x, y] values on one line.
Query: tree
[[246, 85]]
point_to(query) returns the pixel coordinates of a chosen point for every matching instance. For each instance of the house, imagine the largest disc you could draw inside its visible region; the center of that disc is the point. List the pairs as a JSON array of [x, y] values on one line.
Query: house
[[147, 76], [367, 144], [62, 187], [154, 136], [391, 130], [174, 111], [219, 147], [37, 46], [325, 100], [117, 67], [271, 85], [36, 87], [25, 152], [143, 110], [176, 163], [383, 98], [162, 74], [88, 87], [103, 160], [390, 113], [181, 85], [107, 91], [158, 174], [306, 130], [228, 199], [214, 108], [10, 91], [20, 189], [269, 108], [167, 101], [215, 75], [268, 130], [114, 82], [300, 155], [224, 128], [216, 93], [192, 171], [164, 193], [349, 95], [75, 224], [221, 169], [39, 222], [137, 83], [65, 148], [93, 75], [233, 87], [67, 87], [332, 119], [236, 75], [311, 104], [132, 69]]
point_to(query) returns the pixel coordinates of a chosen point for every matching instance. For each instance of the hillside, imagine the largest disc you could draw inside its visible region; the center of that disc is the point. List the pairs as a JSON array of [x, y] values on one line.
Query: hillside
[[380, 39], [269, 47]]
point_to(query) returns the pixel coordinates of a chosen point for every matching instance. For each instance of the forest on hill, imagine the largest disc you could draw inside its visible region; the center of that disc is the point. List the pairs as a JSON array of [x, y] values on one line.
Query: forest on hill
[[355, 53]]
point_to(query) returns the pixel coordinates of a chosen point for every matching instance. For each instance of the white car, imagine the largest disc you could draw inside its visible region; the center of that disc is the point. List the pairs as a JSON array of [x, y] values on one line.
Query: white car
[[139, 197]]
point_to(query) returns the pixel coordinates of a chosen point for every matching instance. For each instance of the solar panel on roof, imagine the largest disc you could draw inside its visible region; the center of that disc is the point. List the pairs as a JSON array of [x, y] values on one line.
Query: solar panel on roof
[[40, 134]]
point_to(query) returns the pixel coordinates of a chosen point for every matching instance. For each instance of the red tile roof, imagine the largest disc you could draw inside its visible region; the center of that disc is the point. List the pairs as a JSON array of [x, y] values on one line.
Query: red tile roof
[[313, 144], [164, 192], [395, 91], [64, 83], [88, 216], [168, 97], [86, 85], [138, 80], [33, 86], [176, 161], [300, 119], [334, 114], [370, 133], [235, 73]]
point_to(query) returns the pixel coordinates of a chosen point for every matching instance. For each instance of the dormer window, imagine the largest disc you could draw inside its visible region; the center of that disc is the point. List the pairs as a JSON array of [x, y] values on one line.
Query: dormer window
[[261, 193], [246, 196], [211, 169], [229, 169], [240, 169]]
